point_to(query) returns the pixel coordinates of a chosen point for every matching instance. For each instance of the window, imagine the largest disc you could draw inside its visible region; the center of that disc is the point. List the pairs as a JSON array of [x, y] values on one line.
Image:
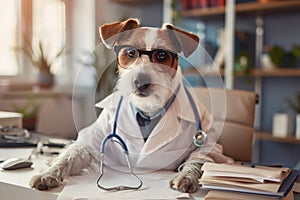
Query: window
[[8, 37], [47, 25]]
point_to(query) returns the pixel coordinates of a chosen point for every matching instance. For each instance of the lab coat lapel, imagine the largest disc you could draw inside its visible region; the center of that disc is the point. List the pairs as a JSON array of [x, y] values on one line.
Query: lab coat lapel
[[129, 129], [162, 133], [127, 126]]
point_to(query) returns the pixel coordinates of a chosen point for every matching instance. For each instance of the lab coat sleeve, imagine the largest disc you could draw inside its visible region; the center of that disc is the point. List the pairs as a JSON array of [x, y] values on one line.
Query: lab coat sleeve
[[92, 136], [211, 151]]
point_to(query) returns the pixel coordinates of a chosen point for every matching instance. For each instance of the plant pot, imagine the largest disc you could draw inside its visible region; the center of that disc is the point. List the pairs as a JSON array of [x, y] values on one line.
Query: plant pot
[[29, 123], [297, 134], [282, 125], [45, 79]]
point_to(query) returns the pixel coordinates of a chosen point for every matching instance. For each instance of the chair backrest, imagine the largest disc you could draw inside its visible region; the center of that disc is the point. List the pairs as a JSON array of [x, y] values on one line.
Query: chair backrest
[[234, 113]]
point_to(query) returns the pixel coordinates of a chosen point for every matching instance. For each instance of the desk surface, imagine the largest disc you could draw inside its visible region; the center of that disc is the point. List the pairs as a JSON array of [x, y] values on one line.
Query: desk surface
[[15, 185]]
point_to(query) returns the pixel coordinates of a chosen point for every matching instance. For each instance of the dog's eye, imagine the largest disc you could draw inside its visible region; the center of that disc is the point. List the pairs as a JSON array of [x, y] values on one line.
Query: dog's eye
[[162, 56], [131, 52]]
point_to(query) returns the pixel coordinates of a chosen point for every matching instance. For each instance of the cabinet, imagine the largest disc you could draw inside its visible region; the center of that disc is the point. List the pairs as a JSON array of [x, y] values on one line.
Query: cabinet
[[270, 84]]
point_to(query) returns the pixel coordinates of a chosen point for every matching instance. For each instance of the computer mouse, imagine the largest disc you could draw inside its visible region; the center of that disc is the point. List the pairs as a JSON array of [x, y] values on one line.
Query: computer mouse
[[15, 163]]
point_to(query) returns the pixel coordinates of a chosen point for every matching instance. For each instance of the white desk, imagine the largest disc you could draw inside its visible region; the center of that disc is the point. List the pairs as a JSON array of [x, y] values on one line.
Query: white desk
[[14, 185]]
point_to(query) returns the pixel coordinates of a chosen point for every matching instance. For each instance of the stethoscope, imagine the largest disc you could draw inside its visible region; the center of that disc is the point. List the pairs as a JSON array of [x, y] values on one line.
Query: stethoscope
[[121, 142], [198, 139]]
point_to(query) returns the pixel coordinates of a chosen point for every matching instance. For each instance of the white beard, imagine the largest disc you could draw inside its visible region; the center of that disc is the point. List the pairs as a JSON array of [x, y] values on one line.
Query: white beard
[[162, 88]]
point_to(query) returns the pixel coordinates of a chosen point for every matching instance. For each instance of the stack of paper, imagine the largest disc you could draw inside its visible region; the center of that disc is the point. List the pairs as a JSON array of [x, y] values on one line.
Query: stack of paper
[[10, 119], [258, 180]]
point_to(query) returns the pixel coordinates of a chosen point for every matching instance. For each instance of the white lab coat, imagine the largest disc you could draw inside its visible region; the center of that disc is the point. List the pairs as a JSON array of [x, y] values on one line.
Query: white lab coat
[[169, 144]]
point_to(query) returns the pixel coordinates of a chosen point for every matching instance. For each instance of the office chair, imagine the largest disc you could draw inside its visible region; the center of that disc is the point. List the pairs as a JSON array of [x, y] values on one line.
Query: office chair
[[233, 112]]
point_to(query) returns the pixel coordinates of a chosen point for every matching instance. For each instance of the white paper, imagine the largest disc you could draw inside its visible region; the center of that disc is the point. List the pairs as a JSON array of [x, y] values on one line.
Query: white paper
[[155, 186], [14, 192], [260, 179]]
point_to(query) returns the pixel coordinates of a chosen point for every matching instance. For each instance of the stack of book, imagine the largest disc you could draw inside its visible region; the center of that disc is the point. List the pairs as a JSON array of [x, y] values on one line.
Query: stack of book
[[236, 181], [194, 4]]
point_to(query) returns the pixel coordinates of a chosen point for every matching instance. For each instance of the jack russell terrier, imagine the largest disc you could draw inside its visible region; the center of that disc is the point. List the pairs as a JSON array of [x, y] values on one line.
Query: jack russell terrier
[[156, 119]]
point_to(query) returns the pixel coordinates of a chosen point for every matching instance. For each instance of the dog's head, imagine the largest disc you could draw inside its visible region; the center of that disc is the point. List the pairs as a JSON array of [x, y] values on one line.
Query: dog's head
[[147, 60]]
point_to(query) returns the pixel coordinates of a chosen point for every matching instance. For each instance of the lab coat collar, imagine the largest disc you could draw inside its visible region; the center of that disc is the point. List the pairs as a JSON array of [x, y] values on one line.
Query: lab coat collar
[[181, 103], [111, 101], [169, 126]]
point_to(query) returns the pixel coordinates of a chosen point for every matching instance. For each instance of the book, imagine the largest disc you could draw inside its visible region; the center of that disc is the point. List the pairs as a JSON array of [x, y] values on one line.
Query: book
[[259, 180], [227, 195]]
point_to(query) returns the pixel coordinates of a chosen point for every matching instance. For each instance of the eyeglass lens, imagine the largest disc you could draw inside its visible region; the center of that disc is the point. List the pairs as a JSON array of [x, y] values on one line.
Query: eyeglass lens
[[127, 55]]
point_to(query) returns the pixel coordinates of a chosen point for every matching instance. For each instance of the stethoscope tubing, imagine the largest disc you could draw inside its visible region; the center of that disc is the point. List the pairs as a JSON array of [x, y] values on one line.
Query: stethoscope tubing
[[114, 134], [126, 153]]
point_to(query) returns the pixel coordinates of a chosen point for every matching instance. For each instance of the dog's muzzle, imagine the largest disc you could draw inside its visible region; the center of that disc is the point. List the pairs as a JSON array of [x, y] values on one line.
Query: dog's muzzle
[[142, 83]]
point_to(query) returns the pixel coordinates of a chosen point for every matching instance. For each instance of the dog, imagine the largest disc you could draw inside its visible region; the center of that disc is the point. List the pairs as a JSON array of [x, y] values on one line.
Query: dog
[[151, 82]]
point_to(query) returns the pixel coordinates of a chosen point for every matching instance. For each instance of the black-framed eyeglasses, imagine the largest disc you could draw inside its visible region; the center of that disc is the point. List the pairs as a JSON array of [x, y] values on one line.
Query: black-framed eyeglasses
[[127, 55]]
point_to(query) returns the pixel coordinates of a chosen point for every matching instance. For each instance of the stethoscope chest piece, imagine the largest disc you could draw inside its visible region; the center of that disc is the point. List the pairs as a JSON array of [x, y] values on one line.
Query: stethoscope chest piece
[[200, 138]]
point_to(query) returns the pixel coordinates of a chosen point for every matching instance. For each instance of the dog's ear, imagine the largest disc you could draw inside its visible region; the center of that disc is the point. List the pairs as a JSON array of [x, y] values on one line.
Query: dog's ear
[[108, 32], [184, 41]]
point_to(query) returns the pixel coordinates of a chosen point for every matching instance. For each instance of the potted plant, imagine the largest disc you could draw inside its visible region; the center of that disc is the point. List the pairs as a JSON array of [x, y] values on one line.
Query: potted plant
[[29, 111], [43, 63], [277, 55], [296, 55], [295, 105]]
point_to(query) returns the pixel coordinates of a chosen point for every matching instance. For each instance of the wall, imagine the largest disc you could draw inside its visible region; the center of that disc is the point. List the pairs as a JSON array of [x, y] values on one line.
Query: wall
[[150, 14]]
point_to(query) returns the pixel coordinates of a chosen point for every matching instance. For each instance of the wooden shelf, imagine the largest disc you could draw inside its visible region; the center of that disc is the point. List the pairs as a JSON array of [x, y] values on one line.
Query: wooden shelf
[[38, 93], [291, 72], [204, 12], [136, 2], [270, 137], [194, 71], [274, 7], [277, 72]]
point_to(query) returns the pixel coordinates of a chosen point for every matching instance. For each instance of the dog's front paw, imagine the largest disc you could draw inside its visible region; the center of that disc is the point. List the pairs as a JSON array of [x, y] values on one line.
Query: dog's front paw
[[184, 182], [44, 182]]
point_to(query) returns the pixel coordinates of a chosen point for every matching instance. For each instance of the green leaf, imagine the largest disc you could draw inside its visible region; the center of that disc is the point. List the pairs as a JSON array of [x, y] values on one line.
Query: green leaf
[[277, 55]]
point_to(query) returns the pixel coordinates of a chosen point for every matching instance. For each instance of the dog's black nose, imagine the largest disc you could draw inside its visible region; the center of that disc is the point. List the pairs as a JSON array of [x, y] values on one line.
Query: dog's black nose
[[142, 82]]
